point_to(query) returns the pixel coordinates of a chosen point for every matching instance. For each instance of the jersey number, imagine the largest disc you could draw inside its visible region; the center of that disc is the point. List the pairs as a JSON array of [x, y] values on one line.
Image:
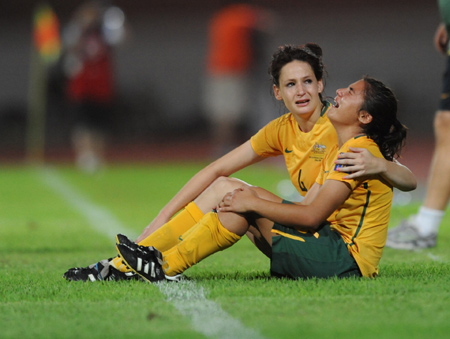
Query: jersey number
[[300, 183]]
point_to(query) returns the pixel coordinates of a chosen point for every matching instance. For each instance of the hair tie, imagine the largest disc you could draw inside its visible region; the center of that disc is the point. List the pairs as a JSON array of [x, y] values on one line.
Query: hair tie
[[308, 51]]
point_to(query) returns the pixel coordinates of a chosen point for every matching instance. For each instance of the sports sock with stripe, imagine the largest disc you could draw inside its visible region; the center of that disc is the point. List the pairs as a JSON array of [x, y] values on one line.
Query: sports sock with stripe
[[167, 235], [208, 236]]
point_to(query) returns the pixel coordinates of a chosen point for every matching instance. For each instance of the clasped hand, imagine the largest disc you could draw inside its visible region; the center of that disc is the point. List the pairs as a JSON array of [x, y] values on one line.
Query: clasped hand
[[240, 200], [359, 162]]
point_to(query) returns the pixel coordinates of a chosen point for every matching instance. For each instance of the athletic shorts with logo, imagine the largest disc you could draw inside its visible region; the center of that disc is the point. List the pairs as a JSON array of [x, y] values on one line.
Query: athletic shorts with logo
[[304, 255]]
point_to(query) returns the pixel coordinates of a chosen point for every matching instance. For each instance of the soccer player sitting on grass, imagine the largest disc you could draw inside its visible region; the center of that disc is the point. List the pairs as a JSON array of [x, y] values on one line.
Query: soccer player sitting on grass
[[340, 228], [304, 136]]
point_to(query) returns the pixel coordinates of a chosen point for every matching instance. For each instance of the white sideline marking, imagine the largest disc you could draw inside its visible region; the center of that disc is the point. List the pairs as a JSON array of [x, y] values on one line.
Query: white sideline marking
[[189, 299], [206, 316], [99, 217]]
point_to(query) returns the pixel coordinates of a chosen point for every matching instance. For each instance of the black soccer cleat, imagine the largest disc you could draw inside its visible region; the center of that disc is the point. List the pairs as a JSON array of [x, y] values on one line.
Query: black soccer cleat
[[100, 271], [145, 261], [116, 275], [123, 239], [82, 274]]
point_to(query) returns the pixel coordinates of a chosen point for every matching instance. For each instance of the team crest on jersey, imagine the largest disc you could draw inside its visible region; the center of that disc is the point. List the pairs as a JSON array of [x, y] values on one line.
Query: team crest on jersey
[[319, 148], [318, 151]]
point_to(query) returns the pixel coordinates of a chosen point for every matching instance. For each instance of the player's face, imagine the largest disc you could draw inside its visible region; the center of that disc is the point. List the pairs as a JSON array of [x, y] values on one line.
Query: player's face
[[299, 88], [348, 104]]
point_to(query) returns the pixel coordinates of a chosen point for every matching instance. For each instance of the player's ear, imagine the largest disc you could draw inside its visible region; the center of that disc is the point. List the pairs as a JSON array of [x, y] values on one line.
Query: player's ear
[[364, 117], [320, 86], [276, 93]]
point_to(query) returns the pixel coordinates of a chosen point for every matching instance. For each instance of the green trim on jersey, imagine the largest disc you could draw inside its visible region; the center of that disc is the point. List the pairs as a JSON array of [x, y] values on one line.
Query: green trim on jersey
[[325, 108], [361, 221]]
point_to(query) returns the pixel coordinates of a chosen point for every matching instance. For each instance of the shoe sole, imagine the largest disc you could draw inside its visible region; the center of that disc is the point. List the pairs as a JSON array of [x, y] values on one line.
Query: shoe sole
[[406, 246], [175, 278]]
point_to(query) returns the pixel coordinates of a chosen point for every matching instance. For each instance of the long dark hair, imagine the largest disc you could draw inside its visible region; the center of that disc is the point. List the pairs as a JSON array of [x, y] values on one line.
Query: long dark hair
[[385, 129], [310, 53]]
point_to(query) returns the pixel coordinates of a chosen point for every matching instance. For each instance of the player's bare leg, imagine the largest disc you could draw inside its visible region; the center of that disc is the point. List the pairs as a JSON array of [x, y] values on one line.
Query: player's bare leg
[[420, 231], [214, 193], [438, 189]]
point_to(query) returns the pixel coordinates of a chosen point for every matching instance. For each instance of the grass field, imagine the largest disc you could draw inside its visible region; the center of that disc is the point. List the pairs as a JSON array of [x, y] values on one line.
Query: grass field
[[44, 231]]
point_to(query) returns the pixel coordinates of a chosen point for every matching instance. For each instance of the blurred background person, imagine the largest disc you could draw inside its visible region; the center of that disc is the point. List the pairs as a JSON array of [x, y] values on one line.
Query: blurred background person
[[237, 35], [88, 66], [420, 231]]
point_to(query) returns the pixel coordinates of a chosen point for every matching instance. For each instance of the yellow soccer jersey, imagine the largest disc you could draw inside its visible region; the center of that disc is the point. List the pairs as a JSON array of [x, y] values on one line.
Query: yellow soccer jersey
[[303, 152], [363, 219]]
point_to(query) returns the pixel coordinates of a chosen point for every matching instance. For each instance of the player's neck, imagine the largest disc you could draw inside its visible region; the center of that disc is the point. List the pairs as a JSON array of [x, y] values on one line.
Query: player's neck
[[307, 121], [345, 133]]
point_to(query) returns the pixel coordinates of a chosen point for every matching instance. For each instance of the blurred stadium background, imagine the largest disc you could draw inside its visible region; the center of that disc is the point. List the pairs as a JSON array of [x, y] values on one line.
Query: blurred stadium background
[[160, 66]]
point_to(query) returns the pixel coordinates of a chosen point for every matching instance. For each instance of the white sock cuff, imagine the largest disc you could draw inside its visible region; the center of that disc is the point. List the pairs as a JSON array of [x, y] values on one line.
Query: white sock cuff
[[428, 220], [431, 212]]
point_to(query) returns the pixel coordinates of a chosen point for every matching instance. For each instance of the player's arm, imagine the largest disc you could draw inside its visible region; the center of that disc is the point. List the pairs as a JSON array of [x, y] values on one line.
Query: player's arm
[[230, 163], [327, 199], [360, 162], [312, 193]]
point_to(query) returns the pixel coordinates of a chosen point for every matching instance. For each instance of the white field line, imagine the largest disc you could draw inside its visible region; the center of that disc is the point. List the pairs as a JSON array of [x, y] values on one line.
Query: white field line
[[99, 217], [206, 316]]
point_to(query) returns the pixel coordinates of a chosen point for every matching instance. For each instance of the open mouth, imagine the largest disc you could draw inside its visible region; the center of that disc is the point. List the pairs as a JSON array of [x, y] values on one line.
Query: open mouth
[[302, 102], [335, 103]]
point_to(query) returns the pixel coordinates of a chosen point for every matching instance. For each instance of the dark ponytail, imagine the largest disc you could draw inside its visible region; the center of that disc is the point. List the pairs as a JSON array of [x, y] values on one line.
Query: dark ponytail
[[385, 129]]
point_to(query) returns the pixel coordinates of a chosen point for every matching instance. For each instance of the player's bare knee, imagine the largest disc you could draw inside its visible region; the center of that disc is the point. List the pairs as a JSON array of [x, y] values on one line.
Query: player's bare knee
[[223, 185]]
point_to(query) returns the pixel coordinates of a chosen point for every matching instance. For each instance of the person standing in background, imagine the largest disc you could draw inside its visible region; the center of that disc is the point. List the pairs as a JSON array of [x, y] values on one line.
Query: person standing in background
[[236, 36], [90, 88], [420, 231]]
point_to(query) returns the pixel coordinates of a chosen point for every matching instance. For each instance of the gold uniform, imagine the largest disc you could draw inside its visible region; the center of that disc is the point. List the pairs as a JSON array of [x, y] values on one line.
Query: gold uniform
[[303, 152], [362, 220]]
